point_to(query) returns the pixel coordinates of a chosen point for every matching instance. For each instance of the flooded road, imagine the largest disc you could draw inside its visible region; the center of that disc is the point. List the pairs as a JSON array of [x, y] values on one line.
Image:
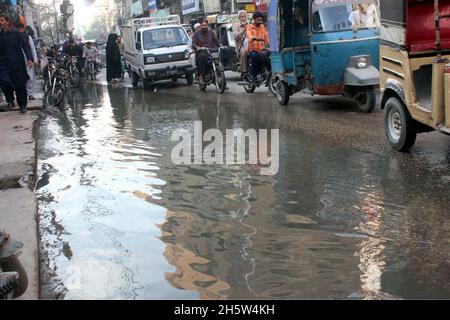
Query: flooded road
[[120, 221]]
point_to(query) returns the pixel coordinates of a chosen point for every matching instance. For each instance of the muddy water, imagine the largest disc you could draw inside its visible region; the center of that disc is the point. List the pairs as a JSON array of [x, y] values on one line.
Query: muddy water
[[120, 221]]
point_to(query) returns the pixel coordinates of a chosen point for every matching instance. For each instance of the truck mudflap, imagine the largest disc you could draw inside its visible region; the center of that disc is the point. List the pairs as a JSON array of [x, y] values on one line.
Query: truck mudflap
[[363, 77]]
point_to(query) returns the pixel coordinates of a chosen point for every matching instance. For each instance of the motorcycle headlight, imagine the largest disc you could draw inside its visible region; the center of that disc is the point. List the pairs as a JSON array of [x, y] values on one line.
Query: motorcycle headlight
[[215, 55], [362, 63], [150, 60]]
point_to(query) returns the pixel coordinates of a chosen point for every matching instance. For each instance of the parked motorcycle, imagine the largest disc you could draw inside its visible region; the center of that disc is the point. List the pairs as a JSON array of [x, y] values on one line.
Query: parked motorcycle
[[13, 278], [74, 73], [216, 73], [57, 85], [47, 75]]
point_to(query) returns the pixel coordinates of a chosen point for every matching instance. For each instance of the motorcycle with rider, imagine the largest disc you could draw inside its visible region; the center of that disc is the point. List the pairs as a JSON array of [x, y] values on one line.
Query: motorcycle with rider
[[91, 56], [207, 55], [258, 72]]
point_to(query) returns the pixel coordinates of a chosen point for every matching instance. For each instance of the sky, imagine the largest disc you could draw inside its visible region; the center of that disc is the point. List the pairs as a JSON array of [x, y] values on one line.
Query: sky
[[84, 14]]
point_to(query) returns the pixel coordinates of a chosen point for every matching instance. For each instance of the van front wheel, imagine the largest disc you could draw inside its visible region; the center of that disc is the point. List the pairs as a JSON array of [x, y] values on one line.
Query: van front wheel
[[400, 128], [134, 79], [190, 79]]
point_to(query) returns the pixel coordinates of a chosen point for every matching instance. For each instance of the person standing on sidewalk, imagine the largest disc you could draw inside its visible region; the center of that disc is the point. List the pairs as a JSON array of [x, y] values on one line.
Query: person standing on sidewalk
[[122, 53], [31, 71], [13, 69]]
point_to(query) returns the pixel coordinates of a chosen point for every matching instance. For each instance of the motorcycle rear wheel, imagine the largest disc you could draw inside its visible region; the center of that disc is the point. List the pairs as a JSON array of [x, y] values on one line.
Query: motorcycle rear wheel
[[56, 98]]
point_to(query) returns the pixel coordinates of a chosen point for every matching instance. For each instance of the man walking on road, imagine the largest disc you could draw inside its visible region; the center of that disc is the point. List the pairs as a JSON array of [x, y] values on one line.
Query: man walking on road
[[122, 54], [13, 69], [31, 71]]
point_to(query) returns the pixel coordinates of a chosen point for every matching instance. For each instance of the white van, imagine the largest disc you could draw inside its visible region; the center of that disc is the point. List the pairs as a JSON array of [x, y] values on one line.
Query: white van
[[156, 49]]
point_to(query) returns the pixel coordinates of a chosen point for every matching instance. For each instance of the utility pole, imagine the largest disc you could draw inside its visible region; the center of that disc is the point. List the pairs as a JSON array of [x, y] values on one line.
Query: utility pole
[[56, 21], [232, 6]]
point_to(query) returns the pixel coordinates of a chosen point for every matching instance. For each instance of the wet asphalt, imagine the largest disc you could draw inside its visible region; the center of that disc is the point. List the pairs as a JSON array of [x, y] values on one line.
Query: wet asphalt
[[346, 217]]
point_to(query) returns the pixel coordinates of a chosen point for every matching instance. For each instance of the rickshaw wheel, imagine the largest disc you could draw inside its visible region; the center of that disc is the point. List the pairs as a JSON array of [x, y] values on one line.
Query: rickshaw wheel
[[282, 91], [366, 100], [134, 79], [400, 128], [273, 85]]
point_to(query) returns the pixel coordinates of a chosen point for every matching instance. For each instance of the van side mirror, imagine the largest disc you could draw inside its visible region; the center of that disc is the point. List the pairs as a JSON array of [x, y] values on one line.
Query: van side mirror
[[138, 46]]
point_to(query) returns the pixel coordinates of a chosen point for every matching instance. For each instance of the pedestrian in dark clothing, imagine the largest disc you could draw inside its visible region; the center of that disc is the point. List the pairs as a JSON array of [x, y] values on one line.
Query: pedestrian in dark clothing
[[113, 61], [13, 69], [225, 54]]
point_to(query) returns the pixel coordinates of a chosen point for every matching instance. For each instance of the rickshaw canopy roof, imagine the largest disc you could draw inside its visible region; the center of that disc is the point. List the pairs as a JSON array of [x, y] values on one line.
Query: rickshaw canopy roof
[[410, 24], [231, 18]]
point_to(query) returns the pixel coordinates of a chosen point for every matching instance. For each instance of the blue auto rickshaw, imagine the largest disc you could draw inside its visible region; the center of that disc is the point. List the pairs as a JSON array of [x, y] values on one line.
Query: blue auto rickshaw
[[325, 47]]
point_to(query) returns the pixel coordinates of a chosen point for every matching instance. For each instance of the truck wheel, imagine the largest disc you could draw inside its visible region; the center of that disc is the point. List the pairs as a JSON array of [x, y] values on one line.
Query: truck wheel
[[134, 79], [282, 91], [400, 128], [147, 84], [366, 99], [190, 79]]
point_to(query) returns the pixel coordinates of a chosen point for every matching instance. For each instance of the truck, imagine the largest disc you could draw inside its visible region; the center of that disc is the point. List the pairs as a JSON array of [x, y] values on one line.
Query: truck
[[156, 48]]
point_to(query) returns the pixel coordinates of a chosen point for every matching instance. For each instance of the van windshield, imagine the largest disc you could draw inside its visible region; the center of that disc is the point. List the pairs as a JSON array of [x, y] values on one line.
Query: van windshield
[[166, 37], [344, 15]]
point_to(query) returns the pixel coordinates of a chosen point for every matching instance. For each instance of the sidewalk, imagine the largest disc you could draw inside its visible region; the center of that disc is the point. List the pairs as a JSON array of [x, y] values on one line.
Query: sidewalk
[[18, 205]]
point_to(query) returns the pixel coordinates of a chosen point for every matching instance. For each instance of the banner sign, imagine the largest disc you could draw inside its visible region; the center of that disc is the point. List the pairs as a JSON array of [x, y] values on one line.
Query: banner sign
[[190, 6], [261, 5], [211, 6], [152, 7], [136, 9]]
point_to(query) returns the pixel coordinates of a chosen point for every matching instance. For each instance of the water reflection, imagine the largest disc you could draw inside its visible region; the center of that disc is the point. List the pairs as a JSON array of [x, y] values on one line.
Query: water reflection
[[334, 223]]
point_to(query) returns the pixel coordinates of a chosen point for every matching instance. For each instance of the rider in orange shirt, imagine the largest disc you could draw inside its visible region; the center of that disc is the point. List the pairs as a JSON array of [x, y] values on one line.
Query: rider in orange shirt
[[258, 45]]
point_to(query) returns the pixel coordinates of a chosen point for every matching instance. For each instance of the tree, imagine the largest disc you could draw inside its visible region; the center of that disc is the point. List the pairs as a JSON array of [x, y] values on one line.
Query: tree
[[49, 22], [96, 30]]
